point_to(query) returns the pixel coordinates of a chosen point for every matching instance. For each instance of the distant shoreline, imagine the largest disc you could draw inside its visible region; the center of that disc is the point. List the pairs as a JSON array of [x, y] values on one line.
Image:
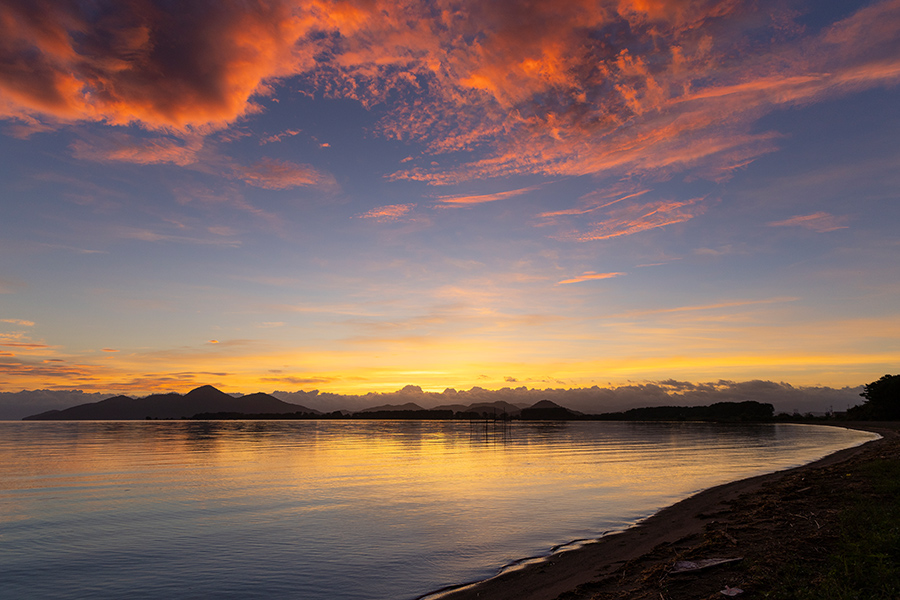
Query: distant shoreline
[[546, 578]]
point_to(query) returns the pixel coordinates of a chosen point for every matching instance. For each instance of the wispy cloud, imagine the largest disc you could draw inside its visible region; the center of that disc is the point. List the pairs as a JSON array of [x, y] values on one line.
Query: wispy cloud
[[298, 380], [148, 235], [121, 147], [594, 201], [589, 276], [21, 322], [277, 137], [708, 307], [273, 174], [636, 218], [389, 213], [483, 198], [10, 285], [215, 199], [820, 222]]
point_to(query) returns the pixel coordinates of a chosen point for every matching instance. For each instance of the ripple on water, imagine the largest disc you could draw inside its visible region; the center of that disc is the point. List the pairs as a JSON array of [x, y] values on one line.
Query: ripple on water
[[341, 509]]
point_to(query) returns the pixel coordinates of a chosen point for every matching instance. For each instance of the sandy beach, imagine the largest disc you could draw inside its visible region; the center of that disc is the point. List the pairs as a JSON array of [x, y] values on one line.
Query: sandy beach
[[760, 519]]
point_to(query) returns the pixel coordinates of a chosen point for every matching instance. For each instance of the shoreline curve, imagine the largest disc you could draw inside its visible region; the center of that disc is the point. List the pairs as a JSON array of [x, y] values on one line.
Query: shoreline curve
[[546, 577]]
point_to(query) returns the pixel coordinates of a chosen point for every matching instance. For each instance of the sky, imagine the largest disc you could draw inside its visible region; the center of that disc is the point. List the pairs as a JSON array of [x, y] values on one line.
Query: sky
[[356, 196]]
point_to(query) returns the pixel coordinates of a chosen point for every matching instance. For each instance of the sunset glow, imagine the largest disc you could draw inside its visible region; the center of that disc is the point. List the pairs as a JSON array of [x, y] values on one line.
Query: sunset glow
[[359, 196]]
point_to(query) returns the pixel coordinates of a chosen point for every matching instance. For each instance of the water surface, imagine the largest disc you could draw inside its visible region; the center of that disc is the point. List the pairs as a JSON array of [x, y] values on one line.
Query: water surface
[[315, 510]]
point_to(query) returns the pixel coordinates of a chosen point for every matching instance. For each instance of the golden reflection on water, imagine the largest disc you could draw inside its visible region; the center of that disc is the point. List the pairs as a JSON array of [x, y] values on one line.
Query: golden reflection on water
[[443, 502]]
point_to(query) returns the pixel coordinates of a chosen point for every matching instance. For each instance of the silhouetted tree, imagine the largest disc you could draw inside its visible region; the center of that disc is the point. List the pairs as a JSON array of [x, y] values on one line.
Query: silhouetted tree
[[882, 400]]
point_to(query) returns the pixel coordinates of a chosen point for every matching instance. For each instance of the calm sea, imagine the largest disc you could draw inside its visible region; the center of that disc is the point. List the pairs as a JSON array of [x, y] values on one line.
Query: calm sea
[[319, 510]]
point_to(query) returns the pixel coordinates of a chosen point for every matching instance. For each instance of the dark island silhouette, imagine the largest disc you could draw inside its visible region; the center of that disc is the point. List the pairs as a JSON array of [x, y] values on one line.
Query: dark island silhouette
[[204, 399], [209, 403]]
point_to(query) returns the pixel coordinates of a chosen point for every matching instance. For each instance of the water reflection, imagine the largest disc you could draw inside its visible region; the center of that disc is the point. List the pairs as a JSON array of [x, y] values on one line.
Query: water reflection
[[377, 509]]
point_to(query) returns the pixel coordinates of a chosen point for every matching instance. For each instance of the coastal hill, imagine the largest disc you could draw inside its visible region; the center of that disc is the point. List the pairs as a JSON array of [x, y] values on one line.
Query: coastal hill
[[205, 399], [546, 410], [209, 403]]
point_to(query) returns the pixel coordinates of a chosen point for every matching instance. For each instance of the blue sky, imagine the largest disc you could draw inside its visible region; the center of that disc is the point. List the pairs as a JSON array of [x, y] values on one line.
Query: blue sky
[[340, 196]]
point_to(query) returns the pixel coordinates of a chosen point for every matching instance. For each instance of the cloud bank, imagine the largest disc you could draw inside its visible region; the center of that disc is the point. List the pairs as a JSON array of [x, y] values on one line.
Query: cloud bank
[[583, 87]]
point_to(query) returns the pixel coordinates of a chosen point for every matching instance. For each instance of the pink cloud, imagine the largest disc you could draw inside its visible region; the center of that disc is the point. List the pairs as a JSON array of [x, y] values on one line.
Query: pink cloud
[[820, 222], [535, 87], [636, 218], [120, 147], [592, 202], [588, 276], [389, 213], [483, 198], [273, 174], [280, 136]]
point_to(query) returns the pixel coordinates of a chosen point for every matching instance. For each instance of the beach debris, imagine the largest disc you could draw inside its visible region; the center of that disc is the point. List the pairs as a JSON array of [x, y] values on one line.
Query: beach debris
[[731, 591], [692, 566], [730, 538]]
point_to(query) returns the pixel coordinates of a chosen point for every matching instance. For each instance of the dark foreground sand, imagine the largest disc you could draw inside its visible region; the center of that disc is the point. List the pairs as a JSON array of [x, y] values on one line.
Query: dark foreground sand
[[773, 517]]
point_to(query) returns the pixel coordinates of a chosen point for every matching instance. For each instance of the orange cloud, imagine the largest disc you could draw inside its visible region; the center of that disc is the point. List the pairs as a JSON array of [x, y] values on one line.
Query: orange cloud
[[130, 62], [592, 202], [482, 198], [273, 174], [22, 322], [280, 136], [124, 148], [386, 214], [688, 103], [635, 218], [588, 276], [49, 372], [534, 86], [820, 222]]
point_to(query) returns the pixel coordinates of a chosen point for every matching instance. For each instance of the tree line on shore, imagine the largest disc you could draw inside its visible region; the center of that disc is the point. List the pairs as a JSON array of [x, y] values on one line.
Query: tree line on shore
[[726, 412]]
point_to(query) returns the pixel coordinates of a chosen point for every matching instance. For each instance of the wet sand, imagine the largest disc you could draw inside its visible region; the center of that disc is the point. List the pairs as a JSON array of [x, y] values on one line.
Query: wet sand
[[565, 572]]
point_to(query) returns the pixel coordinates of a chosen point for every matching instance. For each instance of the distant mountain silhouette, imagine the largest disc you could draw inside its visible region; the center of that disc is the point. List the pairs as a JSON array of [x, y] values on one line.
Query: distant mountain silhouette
[[545, 410], [204, 399]]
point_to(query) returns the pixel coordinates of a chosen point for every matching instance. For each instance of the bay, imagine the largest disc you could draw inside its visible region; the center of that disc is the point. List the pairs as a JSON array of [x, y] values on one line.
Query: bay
[[367, 510]]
